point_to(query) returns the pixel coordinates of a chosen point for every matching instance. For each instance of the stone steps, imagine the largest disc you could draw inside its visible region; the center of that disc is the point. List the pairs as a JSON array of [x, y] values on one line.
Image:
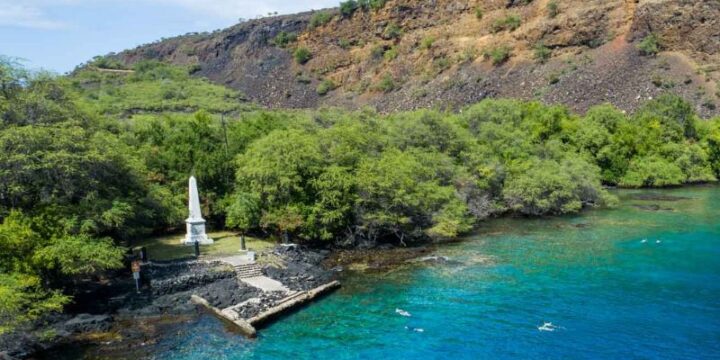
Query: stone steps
[[248, 270]]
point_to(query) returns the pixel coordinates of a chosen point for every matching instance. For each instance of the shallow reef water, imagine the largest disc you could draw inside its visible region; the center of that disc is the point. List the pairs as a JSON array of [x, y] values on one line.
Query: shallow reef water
[[640, 281]]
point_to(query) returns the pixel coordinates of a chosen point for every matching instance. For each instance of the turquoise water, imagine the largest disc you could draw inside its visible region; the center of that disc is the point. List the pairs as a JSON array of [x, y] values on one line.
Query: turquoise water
[[631, 283]]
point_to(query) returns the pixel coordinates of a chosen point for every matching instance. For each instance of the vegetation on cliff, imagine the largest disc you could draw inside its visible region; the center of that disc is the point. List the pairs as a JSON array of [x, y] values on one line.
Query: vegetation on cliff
[[409, 54], [98, 158]]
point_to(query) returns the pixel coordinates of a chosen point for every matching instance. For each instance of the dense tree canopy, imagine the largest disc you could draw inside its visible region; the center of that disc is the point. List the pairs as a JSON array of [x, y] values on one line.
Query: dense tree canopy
[[93, 160], [68, 186]]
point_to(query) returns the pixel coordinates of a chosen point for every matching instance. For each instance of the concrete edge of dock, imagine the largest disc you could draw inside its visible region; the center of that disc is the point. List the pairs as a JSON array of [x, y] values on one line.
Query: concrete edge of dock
[[248, 326], [239, 324]]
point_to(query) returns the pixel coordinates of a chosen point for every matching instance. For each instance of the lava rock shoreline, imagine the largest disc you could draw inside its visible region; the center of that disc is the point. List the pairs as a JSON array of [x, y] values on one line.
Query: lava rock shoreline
[[165, 294]]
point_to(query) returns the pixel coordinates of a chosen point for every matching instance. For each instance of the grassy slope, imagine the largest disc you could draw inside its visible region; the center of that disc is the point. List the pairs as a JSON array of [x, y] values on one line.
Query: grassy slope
[[166, 89]]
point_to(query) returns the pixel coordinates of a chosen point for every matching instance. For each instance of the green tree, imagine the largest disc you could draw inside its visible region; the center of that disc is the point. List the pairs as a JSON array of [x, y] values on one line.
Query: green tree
[[542, 187], [671, 115], [319, 18], [277, 170], [371, 4], [284, 38], [331, 212], [347, 8], [23, 299], [243, 213], [652, 171], [398, 196], [79, 255]]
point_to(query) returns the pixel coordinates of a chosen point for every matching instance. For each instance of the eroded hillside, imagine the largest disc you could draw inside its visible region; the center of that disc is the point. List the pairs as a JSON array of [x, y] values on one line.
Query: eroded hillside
[[407, 54]]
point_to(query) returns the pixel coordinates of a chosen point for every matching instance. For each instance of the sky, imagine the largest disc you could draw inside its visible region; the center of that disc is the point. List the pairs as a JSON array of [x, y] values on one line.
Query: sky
[[58, 35]]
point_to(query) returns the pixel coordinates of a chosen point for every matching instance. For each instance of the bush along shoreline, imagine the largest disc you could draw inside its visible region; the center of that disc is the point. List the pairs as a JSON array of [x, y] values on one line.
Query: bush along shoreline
[[93, 160]]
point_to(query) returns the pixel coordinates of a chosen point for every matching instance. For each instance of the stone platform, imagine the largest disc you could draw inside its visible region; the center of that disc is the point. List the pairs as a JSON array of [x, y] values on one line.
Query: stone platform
[[276, 298]]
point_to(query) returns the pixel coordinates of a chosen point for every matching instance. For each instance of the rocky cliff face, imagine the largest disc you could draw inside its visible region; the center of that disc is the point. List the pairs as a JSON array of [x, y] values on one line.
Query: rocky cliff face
[[417, 53]]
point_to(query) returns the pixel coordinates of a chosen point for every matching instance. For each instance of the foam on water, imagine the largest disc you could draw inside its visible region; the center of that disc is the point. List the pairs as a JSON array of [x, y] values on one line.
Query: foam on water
[[402, 312]]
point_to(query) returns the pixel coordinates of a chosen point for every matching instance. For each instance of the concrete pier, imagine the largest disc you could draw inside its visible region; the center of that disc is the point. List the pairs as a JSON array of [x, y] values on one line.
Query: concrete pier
[[248, 326], [239, 324]]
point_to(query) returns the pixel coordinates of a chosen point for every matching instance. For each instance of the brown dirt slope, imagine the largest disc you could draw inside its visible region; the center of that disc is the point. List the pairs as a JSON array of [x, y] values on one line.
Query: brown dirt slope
[[418, 53]]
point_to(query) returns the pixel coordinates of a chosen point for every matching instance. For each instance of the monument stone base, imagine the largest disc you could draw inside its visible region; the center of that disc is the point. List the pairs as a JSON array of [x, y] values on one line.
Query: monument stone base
[[196, 233], [203, 240]]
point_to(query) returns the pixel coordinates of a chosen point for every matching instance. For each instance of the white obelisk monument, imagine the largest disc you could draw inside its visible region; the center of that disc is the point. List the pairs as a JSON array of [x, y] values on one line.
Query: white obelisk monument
[[195, 222]]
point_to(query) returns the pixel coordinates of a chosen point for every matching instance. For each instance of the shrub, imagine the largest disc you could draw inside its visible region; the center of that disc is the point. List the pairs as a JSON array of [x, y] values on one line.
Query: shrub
[[594, 43], [377, 52], [320, 18], [649, 45], [392, 31], [371, 4], [479, 13], [104, 62], [662, 82], [427, 42], [441, 64], [542, 52], [194, 68], [386, 84], [467, 55], [498, 55], [284, 38], [325, 86], [302, 55], [303, 79], [187, 50], [344, 43], [510, 22], [552, 9], [390, 54], [347, 8], [553, 78]]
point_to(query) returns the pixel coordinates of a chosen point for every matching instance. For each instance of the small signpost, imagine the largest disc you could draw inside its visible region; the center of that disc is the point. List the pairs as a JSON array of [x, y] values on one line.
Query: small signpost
[[135, 266]]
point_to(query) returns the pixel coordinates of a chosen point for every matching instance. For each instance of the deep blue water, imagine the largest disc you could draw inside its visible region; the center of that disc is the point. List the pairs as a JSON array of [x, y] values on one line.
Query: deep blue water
[[625, 283]]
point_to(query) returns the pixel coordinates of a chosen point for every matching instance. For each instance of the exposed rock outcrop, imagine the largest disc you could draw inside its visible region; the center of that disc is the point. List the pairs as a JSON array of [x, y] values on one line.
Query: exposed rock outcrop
[[434, 54]]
